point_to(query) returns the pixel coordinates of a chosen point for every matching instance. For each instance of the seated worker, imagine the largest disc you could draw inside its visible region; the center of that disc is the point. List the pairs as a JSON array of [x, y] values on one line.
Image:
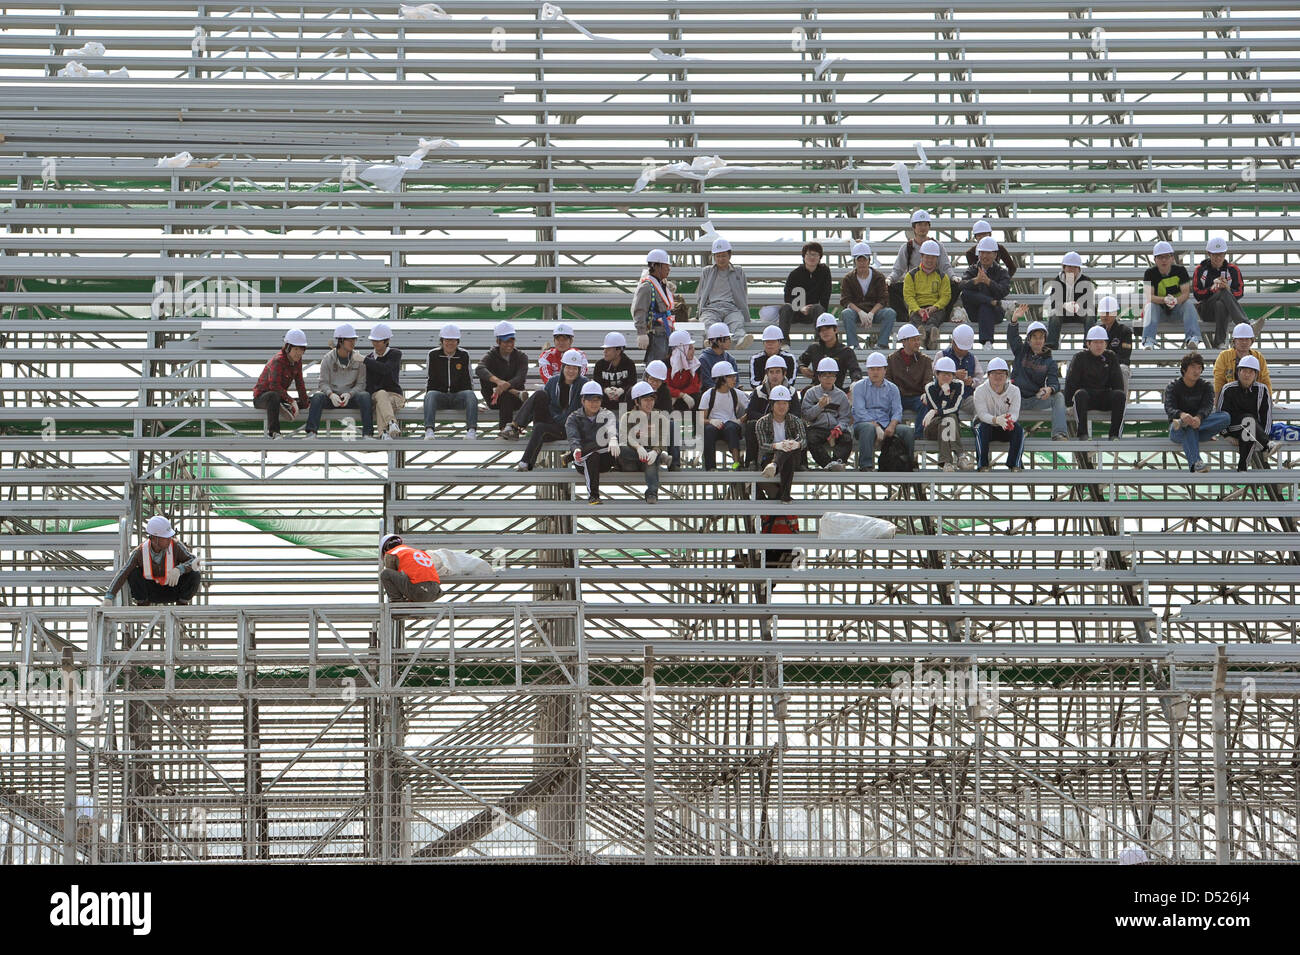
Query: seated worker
[[645, 435], [160, 571], [592, 432], [1245, 401], [944, 397], [408, 574]]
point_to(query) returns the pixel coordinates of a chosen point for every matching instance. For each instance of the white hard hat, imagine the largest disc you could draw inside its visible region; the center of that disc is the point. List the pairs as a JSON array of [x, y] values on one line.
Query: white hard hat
[[679, 337], [930, 247], [719, 330], [779, 393], [861, 248], [908, 331], [722, 369], [159, 526], [1108, 305], [876, 360], [945, 364], [1098, 334], [615, 340], [564, 328], [826, 318], [963, 336], [657, 369], [381, 333], [641, 389], [383, 541], [828, 365], [981, 227], [592, 389], [1243, 330], [721, 245], [1072, 258], [504, 330], [1217, 244], [773, 333], [1163, 248], [295, 336], [1035, 327], [345, 331], [775, 361], [1250, 361], [449, 331], [656, 256], [572, 357], [998, 364], [920, 215], [987, 244]]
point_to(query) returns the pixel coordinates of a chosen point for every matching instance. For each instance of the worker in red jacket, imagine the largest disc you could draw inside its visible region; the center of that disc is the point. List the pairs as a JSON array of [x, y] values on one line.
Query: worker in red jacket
[[408, 574]]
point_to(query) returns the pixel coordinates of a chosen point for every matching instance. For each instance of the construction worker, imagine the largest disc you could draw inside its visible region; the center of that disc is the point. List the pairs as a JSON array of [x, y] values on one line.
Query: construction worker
[[409, 575], [450, 384], [271, 393], [615, 373], [592, 432], [656, 309], [645, 435], [503, 374], [160, 571], [560, 398]]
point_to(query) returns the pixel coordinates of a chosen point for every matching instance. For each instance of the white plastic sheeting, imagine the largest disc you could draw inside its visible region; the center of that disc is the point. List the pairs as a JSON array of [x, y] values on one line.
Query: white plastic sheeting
[[836, 525], [388, 176]]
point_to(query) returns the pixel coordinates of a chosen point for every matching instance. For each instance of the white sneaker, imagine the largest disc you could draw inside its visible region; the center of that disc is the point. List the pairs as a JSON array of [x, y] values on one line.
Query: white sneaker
[[471, 435], [769, 471], [386, 436], [393, 430], [428, 434]]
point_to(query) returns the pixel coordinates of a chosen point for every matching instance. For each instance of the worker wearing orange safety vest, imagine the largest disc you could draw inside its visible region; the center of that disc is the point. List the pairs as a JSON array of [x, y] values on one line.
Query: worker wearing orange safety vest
[[408, 574], [159, 571]]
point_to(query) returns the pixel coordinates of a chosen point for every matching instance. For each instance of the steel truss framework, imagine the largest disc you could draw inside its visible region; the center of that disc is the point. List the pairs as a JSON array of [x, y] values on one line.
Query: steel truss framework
[[1097, 653]]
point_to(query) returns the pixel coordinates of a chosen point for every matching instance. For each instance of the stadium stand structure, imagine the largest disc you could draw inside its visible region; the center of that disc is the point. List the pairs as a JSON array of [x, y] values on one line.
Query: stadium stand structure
[[1097, 653]]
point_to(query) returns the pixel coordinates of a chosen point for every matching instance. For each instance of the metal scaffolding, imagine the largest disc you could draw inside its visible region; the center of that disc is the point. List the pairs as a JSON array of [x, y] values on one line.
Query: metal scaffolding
[[1095, 654]]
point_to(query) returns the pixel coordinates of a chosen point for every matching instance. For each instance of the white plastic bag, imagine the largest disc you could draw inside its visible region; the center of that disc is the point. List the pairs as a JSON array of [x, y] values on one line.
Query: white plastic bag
[[835, 525], [457, 563]]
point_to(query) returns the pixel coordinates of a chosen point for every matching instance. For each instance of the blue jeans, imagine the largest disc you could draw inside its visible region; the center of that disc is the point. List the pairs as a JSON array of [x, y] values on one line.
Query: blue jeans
[[986, 433], [982, 313], [360, 401], [884, 321], [918, 408], [436, 400], [1155, 311], [1190, 438], [864, 436], [1057, 405]]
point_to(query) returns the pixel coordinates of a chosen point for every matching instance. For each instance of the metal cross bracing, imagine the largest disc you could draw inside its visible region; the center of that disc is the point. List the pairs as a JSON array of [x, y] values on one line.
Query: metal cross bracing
[[426, 745]]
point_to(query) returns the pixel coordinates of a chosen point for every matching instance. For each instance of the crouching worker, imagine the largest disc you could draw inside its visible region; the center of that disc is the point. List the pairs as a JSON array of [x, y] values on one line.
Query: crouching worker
[[591, 431], [408, 574], [644, 436], [160, 571]]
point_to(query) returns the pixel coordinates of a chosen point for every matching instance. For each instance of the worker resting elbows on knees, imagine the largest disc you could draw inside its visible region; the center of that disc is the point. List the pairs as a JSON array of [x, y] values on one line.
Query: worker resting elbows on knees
[[160, 571], [408, 574]]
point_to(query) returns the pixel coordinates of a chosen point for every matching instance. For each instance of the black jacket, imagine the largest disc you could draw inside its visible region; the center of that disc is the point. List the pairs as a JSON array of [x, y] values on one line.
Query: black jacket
[[513, 369], [1180, 399], [619, 375], [449, 373], [816, 286], [842, 354], [1242, 403], [1093, 373], [384, 374]]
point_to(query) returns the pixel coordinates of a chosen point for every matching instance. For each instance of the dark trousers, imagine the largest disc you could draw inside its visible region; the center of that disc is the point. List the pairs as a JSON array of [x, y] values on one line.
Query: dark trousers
[[1114, 401], [1246, 446], [981, 311], [400, 588], [788, 316], [270, 401], [1224, 311], [628, 461], [147, 592], [751, 444], [986, 433], [787, 462], [593, 465], [545, 428], [730, 432], [507, 405], [821, 450]]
